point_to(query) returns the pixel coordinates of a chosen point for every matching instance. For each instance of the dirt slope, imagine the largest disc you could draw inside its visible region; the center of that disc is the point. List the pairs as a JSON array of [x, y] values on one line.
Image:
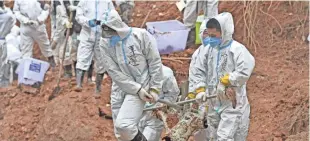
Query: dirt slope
[[274, 32]]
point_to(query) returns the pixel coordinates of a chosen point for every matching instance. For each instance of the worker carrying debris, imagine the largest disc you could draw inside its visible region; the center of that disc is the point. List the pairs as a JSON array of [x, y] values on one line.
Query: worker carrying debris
[[223, 67], [134, 64], [32, 15], [7, 21], [150, 125]]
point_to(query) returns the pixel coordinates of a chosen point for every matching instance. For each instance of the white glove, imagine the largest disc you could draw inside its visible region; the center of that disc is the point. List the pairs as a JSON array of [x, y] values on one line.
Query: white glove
[[220, 91], [26, 21], [69, 24], [145, 96], [72, 8], [201, 97]]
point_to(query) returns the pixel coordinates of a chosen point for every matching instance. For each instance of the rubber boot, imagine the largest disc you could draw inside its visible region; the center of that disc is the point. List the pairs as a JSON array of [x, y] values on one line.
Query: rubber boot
[[15, 76], [68, 71], [90, 74], [36, 85], [104, 115], [74, 67], [52, 61], [139, 137], [99, 78], [79, 80]]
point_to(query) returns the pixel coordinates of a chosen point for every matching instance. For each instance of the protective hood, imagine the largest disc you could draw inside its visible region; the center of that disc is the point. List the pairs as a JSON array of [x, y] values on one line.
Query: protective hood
[[114, 21], [227, 26]]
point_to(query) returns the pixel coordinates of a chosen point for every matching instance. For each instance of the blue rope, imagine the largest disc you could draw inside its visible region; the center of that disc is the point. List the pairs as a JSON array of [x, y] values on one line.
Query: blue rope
[[217, 67], [123, 48]]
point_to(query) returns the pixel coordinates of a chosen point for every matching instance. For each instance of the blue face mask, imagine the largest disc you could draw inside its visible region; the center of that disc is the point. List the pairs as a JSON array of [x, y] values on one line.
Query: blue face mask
[[114, 39], [206, 41], [213, 41]]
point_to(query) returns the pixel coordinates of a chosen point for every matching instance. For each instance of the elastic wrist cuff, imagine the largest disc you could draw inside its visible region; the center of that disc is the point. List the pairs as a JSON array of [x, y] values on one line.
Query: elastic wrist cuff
[[139, 90]]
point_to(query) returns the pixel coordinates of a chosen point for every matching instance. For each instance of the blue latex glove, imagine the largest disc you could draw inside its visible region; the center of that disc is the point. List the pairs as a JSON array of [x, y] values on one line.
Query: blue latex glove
[[92, 23]]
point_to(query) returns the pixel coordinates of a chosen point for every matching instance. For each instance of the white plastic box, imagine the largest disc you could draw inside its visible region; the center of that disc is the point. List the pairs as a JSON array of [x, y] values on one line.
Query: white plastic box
[[171, 36], [31, 70]]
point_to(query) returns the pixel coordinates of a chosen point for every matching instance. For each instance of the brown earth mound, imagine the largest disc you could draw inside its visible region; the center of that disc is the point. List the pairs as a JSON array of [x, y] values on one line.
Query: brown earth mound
[[275, 34]]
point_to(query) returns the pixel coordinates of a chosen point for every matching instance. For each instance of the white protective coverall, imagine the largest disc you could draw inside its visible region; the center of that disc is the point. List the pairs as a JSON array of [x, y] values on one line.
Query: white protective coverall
[[133, 63], [191, 77], [150, 126], [13, 45], [59, 36], [26, 10], [193, 7], [89, 37], [7, 21], [200, 135], [230, 57]]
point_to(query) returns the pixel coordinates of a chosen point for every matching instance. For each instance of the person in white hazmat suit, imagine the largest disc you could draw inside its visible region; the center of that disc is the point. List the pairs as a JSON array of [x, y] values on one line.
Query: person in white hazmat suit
[[32, 15], [191, 11], [63, 10], [89, 14], [132, 60], [191, 77], [7, 21], [224, 64], [126, 9], [201, 134], [150, 125]]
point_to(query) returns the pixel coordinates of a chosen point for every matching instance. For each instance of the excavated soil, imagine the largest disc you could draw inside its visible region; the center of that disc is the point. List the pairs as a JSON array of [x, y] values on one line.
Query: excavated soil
[[274, 32]]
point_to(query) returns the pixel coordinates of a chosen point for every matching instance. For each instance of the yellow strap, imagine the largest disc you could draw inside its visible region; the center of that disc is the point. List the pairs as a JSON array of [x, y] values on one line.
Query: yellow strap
[[206, 108]]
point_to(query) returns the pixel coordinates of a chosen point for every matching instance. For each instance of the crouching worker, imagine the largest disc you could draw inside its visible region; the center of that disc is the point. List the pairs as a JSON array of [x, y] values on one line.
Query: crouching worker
[[134, 64], [150, 125]]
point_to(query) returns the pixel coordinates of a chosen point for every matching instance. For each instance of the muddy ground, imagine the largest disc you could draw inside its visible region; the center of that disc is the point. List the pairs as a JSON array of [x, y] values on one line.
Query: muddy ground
[[275, 34]]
